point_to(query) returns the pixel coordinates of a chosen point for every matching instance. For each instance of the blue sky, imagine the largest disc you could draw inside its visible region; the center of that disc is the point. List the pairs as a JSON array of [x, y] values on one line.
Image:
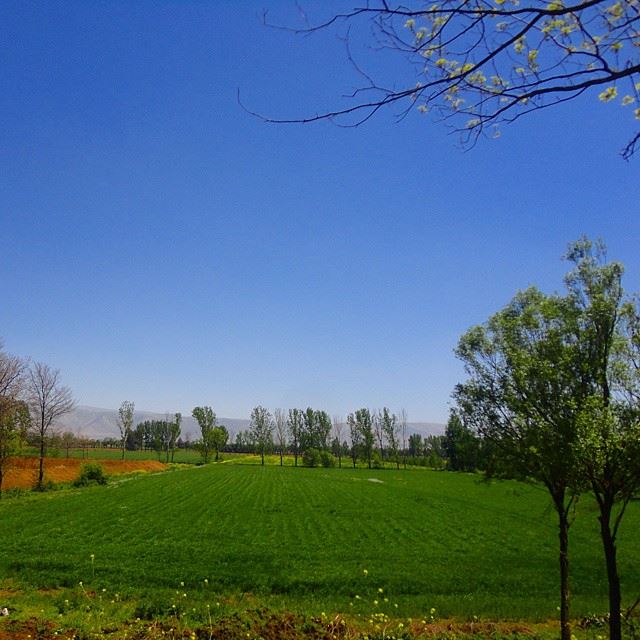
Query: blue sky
[[161, 245]]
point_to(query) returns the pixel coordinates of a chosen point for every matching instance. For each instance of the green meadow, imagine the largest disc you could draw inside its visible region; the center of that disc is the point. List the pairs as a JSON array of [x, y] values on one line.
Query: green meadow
[[309, 540]]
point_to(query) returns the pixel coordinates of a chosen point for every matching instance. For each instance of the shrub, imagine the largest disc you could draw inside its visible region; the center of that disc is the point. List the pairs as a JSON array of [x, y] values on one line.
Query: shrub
[[90, 473], [311, 458], [327, 459]]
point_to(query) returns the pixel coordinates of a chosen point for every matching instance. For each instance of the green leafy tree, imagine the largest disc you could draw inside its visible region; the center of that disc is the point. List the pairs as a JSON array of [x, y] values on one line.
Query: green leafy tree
[[262, 430], [523, 389], [355, 436], [479, 64], [390, 429], [415, 445], [461, 445], [125, 422], [361, 424], [219, 439], [206, 419], [322, 431], [14, 424], [609, 426], [295, 424], [542, 389], [315, 430]]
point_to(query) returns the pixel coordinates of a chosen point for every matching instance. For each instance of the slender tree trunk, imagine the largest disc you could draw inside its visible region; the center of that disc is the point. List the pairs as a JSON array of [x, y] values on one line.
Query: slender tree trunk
[[41, 464], [280, 456], [262, 457], [565, 593], [339, 461], [123, 449], [609, 546]]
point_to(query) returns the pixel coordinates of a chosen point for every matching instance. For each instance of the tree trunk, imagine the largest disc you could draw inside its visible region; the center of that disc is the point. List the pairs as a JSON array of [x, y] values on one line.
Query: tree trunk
[[565, 595], [280, 456], [609, 546], [41, 463], [262, 457]]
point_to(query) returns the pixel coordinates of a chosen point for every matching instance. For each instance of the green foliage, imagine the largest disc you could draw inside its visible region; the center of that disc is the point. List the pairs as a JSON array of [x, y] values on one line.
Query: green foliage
[[262, 430], [461, 446], [318, 458], [327, 459], [212, 435], [376, 460], [361, 431], [91, 473], [311, 458]]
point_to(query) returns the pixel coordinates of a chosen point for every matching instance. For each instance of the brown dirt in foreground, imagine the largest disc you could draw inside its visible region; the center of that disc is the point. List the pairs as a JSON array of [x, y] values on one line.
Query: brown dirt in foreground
[[283, 626], [23, 471]]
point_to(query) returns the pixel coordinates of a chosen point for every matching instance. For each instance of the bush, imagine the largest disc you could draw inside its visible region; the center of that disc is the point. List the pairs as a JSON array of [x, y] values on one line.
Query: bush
[[376, 460], [90, 473], [316, 458], [311, 458], [327, 459]]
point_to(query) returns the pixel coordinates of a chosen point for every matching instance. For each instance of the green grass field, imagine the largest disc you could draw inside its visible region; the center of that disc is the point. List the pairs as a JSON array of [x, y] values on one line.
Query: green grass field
[[301, 539]]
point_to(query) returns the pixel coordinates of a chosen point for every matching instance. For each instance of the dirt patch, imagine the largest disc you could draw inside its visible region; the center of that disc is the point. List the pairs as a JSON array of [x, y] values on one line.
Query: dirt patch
[[23, 472]]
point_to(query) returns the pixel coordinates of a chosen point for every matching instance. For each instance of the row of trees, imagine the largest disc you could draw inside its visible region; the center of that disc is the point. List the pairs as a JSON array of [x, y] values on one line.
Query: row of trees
[[368, 435], [32, 398], [552, 391]]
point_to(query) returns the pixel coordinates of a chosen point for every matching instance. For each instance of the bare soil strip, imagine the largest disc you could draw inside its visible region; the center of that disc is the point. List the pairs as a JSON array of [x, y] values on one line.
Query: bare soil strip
[[23, 471]]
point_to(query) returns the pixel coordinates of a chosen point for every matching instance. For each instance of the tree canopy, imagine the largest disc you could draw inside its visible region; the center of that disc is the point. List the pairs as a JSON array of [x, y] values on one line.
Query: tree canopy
[[479, 63]]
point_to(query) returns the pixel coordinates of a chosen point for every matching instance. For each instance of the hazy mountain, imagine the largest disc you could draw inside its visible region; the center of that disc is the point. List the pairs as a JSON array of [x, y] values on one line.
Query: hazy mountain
[[93, 422]]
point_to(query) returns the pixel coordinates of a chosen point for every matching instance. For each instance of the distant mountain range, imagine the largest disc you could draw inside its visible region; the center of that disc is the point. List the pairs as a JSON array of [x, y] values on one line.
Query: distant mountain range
[[93, 422]]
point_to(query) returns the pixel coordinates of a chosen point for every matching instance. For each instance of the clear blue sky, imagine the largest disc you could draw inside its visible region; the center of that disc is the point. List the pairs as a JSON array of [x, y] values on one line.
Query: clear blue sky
[[160, 245]]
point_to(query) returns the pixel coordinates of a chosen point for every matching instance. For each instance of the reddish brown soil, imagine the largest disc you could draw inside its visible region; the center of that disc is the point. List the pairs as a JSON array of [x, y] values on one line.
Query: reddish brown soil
[[23, 471]]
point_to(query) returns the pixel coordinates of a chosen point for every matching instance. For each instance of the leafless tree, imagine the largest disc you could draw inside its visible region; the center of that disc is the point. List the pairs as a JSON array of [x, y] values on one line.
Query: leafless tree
[[338, 431], [48, 400], [403, 428], [479, 63], [379, 433], [12, 370], [280, 417]]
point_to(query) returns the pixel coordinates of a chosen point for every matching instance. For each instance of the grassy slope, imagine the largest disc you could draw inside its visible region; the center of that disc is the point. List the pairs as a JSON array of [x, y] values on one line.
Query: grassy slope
[[301, 538]]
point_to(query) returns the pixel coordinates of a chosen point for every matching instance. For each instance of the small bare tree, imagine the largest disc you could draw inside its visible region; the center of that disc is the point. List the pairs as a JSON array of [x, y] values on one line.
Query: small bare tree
[[402, 418], [125, 422], [48, 400], [338, 430], [11, 374], [280, 417]]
